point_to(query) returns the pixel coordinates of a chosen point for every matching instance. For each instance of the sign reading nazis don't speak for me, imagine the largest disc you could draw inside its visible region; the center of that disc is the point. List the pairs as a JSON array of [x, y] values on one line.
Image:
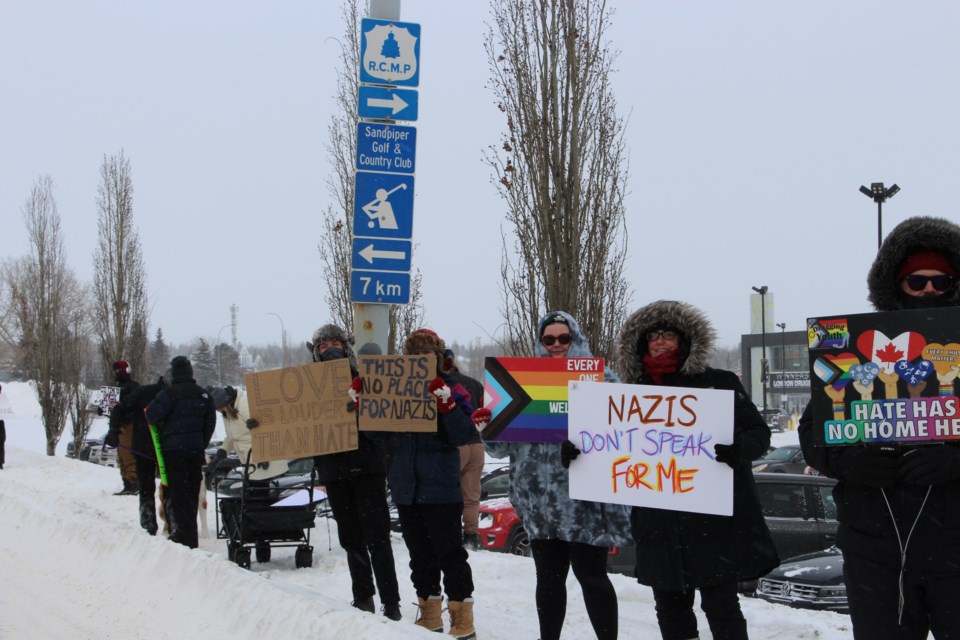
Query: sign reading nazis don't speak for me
[[302, 411], [396, 393]]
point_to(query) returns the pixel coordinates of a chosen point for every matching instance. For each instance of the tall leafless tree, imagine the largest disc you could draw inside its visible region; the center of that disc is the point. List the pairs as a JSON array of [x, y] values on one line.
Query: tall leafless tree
[[561, 167], [44, 297], [81, 375], [336, 243], [119, 275]]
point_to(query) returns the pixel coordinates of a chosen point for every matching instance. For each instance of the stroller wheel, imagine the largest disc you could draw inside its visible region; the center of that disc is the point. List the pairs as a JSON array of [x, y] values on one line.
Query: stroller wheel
[[231, 551], [243, 558], [304, 557], [263, 552]]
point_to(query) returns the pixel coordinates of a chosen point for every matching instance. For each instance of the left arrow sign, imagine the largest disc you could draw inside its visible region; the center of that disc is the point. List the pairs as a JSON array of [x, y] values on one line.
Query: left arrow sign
[[381, 254]]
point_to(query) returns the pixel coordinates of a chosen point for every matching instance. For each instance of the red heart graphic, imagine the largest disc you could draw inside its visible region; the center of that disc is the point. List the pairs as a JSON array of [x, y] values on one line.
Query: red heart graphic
[[885, 351]]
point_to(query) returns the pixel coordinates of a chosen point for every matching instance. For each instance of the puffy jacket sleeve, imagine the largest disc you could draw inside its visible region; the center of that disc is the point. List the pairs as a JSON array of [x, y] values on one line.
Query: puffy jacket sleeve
[[749, 428], [823, 459], [160, 408], [210, 423], [457, 427]]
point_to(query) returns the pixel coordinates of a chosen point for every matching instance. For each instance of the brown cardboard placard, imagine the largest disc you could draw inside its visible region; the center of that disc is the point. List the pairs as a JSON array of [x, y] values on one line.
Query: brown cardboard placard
[[396, 393], [302, 411]]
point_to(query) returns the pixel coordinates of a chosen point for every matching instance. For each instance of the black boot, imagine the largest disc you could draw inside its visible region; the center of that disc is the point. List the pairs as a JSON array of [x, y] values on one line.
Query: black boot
[[148, 518], [364, 604], [392, 611], [129, 489]]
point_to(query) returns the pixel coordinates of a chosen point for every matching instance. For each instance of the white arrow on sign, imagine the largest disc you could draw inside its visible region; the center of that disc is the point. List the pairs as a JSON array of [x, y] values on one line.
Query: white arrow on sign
[[395, 102], [368, 253]]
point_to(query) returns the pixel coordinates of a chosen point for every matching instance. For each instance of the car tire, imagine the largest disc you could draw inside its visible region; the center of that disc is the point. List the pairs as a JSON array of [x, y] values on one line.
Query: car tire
[[520, 543]]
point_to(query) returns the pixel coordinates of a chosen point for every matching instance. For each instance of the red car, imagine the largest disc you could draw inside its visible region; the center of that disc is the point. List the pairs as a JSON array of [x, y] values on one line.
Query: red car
[[500, 528]]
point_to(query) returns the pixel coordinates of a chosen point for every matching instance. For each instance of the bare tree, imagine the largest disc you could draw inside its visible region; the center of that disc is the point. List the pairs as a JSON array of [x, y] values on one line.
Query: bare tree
[[119, 275], [78, 363], [336, 244], [561, 167], [44, 295]]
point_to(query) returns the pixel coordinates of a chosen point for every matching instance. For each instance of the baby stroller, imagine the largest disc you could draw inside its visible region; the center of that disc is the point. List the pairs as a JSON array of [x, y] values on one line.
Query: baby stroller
[[270, 512]]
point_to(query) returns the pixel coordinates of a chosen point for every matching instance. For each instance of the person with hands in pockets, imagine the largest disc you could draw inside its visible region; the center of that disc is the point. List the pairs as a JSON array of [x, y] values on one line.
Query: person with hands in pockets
[[563, 532], [899, 505], [423, 473]]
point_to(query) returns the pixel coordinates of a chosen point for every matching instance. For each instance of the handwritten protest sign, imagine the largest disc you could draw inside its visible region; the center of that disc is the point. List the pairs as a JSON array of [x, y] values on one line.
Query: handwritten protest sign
[[885, 377], [302, 411], [106, 399], [651, 446], [396, 393], [527, 397]]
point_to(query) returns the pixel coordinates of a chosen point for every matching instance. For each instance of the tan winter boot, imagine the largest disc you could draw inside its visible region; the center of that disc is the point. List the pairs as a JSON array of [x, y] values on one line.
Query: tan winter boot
[[461, 619], [428, 616]]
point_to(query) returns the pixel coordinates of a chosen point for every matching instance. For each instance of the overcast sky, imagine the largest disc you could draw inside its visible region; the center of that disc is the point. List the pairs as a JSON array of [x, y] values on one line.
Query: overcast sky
[[751, 126]]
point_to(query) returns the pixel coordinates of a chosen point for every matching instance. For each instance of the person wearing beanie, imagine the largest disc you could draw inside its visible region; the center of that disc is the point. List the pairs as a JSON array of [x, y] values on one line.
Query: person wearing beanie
[[355, 482], [898, 504], [185, 417], [678, 553], [563, 532], [130, 411], [472, 456], [120, 434], [424, 478]]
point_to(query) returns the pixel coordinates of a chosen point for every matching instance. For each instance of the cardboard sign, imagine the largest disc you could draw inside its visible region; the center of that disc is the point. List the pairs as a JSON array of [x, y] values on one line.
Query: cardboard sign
[[527, 397], [651, 446], [302, 411], [106, 399], [885, 377], [396, 393]]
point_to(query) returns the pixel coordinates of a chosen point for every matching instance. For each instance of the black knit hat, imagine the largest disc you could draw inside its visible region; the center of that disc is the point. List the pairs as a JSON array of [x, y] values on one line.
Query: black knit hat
[[180, 369]]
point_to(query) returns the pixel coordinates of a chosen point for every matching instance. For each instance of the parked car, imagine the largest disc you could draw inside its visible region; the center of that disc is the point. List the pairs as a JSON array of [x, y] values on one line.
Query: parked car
[[298, 471], [493, 484], [84, 449], [799, 511], [810, 581], [100, 454], [500, 528], [774, 419], [785, 459]]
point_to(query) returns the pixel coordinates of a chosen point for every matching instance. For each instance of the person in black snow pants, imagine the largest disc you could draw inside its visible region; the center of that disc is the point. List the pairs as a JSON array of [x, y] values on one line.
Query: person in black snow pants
[[899, 505]]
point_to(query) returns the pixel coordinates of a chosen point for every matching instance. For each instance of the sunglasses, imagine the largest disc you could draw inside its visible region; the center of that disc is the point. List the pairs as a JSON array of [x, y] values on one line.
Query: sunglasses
[[666, 335], [919, 283], [562, 339]]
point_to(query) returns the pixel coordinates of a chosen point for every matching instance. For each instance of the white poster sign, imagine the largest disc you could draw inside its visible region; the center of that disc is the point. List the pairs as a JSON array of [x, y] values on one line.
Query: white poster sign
[[651, 446]]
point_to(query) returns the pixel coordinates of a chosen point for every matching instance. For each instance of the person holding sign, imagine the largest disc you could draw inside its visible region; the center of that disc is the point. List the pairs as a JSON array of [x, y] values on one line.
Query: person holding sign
[[356, 485], [563, 532], [424, 477], [669, 343], [898, 504]]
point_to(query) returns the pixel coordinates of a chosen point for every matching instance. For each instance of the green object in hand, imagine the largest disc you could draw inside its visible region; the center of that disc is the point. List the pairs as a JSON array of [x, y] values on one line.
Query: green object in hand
[[155, 434]]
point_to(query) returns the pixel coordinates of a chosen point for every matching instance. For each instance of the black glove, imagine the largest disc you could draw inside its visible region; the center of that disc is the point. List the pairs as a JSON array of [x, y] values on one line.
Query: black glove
[[99, 410], [252, 424], [729, 454], [211, 468], [931, 465], [220, 455], [568, 452], [870, 466], [111, 440]]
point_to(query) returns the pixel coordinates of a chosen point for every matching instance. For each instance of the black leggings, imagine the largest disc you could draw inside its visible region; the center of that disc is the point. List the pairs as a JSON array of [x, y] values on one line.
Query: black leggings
[[720, 603], [553, 559]]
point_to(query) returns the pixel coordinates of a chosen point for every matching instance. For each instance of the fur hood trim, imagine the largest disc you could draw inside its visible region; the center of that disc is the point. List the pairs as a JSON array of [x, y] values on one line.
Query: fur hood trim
[[919, 232], [690, 321]]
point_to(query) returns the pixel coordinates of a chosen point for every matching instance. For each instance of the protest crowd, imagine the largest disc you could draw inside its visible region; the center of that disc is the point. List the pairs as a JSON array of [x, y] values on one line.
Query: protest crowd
[[897, 501]]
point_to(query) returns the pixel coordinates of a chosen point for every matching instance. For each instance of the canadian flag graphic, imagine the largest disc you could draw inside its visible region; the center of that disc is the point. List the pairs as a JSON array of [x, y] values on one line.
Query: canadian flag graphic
[[887, 352]]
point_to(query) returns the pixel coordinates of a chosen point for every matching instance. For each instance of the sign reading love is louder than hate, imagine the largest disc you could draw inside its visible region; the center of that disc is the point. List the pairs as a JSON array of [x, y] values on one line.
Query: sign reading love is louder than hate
[[885, 377], [396, 393], [651, 446], [527, 397], [302, 411]]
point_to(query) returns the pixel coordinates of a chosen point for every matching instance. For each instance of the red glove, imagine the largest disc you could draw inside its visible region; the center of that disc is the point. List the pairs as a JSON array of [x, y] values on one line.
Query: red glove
[[481, 418], [445, 400], [355, 388]]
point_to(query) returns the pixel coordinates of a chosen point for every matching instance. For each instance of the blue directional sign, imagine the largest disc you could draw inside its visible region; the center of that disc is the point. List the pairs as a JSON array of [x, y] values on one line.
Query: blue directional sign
[[387, 103], [383, 287], [381, 254], [389, 52], [386, 147], [383, 205]]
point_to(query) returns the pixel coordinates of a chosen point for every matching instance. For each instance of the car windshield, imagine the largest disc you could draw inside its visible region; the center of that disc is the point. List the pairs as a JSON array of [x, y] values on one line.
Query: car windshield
[[782, 453]]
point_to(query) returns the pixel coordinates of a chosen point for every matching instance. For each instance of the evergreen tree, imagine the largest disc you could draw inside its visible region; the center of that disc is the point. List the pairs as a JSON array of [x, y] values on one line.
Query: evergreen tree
[[159, 358], [228, 363], [204, 364]]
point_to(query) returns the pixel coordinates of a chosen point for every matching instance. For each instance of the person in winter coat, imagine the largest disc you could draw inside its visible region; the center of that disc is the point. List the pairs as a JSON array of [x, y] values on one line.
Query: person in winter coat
[[668, 343], [472, 456], [186, 417], [563, 532], [899, 505], [130, 411], [356, 486], [235, 412], [424, 476], [126, 458]]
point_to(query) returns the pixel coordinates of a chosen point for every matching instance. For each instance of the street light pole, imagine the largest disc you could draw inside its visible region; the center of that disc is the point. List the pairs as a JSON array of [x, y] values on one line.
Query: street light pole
[[283, 337], [219, 365], [879, 194], [783, 359], [763, 342]]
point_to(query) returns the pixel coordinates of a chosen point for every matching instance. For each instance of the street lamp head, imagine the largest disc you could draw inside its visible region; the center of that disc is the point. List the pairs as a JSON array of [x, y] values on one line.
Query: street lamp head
[[866, 191], [892, 191], [761, 290], [782, 325], [877, 189]]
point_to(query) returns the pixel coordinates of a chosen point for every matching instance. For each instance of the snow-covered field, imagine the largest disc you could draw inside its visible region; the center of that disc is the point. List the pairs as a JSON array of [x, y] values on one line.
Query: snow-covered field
[[75, 565]]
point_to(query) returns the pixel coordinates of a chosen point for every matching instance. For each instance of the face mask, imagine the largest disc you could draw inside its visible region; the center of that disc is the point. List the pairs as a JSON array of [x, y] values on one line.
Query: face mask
[[332, 354]]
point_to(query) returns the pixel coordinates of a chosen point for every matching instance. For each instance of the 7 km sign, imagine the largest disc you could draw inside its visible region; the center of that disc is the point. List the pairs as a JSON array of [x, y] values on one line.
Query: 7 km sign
[[382, 287]]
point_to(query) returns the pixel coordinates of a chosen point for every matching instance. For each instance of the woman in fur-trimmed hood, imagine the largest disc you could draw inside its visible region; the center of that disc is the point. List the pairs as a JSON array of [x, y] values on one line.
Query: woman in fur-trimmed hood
[[669, 343]]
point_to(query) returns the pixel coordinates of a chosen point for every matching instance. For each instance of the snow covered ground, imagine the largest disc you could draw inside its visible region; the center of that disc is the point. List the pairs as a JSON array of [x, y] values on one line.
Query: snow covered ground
[[75, 565]]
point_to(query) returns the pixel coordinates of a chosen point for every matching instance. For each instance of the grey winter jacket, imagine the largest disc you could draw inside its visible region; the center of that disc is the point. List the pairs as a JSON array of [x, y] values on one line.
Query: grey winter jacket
[[540, 486]]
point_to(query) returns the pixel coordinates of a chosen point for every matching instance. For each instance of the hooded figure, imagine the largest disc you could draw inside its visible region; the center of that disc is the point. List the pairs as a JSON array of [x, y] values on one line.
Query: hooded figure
[[669, 343], [899, 505]]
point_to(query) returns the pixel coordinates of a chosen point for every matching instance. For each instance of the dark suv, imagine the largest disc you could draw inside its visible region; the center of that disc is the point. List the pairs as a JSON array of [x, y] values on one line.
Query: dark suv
[[785, 459], [799, 511]]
